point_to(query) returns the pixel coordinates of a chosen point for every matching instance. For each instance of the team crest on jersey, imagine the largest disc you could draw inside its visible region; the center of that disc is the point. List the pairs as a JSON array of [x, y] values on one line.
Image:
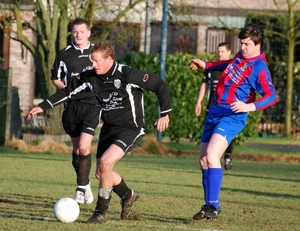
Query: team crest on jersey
[[117, 83], [243, 68], [146, 77]]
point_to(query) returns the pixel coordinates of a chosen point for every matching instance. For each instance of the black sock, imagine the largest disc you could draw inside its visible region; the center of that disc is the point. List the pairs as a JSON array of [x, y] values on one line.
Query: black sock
[[84, 168], [102, 205], [122, 190], [75, 159]]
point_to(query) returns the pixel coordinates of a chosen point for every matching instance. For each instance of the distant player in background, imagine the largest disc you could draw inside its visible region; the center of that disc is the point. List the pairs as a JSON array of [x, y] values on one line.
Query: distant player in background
[[82, 116], [208, 86]]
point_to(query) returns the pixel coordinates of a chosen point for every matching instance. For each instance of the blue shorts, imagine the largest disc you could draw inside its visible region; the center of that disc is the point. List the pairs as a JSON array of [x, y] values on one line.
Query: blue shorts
[[222, 120]]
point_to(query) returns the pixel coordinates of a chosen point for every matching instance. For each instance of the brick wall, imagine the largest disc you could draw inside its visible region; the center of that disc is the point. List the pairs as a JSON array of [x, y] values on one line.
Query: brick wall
[[22, 65]]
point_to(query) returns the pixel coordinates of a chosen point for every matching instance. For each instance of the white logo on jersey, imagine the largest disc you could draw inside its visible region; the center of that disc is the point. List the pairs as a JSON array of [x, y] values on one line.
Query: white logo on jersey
[[74, 74], [117, 83], [87, 68]]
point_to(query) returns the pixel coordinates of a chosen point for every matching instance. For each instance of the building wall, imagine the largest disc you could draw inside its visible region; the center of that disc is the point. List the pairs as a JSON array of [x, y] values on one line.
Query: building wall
[[22, 65]]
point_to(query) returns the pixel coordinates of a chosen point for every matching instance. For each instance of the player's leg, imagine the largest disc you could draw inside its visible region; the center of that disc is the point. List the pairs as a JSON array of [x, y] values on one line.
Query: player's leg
[[83, 191], [88, 120], [215, 150], [204, 169], [107, 177], [228, 155], [123, 140]]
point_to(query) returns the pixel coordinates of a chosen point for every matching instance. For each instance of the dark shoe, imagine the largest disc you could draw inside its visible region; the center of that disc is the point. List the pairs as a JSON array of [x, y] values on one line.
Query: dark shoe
[[97, 218], [211, 212], [227, 164], [127, 204], [201, 214]]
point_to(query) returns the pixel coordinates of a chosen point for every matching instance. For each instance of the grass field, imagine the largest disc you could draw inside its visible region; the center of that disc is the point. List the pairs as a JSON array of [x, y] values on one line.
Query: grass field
[[254, 196]]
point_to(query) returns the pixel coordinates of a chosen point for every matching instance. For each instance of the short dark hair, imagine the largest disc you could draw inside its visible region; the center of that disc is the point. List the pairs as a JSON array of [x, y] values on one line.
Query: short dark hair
[[225, 44], [79, 21], [254, 32]]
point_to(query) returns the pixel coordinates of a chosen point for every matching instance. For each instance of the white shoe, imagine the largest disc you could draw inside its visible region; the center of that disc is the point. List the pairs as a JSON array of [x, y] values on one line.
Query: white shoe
[[79, 197], [88, 196]]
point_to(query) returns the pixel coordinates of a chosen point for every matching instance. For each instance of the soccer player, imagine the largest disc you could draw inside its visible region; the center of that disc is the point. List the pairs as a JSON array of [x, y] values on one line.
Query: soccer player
[[80, 117], [119, 89], [243, 76], [208, 86]]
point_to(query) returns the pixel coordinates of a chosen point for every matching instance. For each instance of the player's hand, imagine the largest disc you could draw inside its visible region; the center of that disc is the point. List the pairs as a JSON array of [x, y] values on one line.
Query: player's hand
[[33, 112], [198, 108], [162, 123], [196, 64], [239, 106]]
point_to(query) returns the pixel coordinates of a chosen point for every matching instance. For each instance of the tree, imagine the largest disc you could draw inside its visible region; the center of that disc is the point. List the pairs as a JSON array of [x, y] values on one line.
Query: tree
[[283, 26]]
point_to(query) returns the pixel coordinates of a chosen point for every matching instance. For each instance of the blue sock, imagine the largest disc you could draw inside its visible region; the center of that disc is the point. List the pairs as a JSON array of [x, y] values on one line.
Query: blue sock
[[215, 176], [204, 183]]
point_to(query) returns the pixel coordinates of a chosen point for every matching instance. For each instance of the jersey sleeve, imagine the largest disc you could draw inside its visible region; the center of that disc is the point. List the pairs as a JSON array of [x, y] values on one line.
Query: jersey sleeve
[[151, 82], [58, 70], [205, 78], [265, 88], [73, 91]]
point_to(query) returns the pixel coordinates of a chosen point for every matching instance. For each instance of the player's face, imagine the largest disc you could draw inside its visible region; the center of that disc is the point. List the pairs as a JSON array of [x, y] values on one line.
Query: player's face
[[223, 53], [81, 35], [249, 49], [101, 64]]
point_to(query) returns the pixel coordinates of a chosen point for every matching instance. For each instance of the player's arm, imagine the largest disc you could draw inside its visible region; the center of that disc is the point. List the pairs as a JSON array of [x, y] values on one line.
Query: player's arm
[[196, 64], [58, 83], [202, 91], [266, 89], [152, 82], [58, 71], [72, 91], [34, 111]]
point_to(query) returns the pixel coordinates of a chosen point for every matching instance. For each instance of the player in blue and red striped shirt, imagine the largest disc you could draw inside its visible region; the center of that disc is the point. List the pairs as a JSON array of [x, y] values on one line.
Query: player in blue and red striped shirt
[[243, 77]]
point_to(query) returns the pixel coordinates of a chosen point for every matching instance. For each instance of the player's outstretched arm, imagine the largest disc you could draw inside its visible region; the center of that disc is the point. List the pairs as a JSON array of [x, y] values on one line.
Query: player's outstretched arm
[[196, 64], [33, 112]]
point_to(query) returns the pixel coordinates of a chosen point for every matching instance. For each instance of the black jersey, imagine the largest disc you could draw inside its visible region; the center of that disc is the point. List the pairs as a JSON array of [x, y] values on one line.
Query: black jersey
[[212, 79], [70, 62], [120, 93]]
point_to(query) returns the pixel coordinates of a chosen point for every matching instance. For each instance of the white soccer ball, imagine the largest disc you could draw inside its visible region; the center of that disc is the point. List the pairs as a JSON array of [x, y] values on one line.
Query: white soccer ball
[[66, 210]]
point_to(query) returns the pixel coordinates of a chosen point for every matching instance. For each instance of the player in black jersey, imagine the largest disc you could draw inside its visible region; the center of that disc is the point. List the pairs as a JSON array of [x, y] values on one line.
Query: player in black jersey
[[208, 87], [80, 117], [119, 89]]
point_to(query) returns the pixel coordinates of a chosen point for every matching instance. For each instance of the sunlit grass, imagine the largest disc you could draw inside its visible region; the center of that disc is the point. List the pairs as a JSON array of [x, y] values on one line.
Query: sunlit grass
[[254, 196]]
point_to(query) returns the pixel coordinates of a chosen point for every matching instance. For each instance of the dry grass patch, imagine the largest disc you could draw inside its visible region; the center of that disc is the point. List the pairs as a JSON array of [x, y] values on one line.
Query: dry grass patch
[[44, 146]]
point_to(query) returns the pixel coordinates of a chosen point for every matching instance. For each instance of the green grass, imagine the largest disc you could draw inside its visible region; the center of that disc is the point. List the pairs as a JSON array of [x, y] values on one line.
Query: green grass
[[254, 196]]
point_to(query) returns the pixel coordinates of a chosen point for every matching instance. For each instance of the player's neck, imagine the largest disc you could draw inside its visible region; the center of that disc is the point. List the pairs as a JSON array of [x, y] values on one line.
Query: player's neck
[[82, 46]]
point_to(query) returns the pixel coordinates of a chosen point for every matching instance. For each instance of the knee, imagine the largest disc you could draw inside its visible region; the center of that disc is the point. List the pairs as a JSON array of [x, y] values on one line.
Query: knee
[[203, 162], [84, 150], [97, 175], [105, 165]]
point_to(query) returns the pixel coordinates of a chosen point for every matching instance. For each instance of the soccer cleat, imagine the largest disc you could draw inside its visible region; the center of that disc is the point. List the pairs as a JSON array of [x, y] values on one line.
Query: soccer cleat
[[211, 212], [88, 195], [127, 204], [79, 197], [97, 218], [201, 214], [227, 163]]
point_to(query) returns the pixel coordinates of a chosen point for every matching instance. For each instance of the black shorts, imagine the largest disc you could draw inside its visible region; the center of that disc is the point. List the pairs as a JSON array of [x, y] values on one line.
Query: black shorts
[[80, 117], [125, 138]]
